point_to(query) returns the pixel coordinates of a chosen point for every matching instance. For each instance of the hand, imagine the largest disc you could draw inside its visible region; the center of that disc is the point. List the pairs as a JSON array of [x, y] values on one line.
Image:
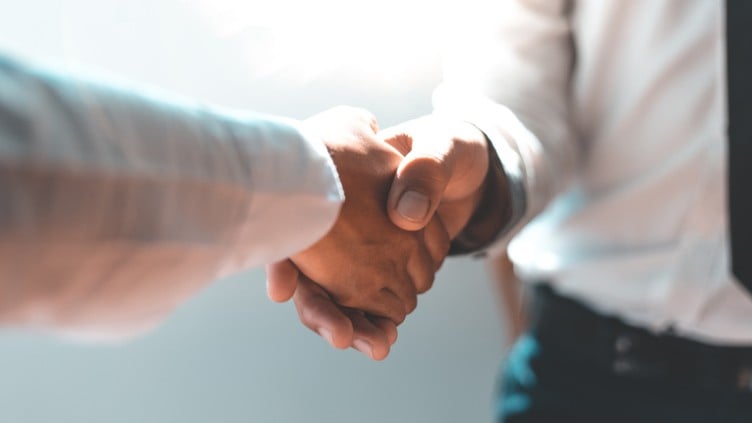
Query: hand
[[340, 326], [446, 164], [365, 262], [444, 172]]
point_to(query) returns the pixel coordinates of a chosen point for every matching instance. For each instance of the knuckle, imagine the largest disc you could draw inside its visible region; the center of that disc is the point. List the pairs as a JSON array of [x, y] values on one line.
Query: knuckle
[[348, 300], [411, 304], [306, 313], [307, 319], [425, 284], [391, 313], [396, 313], [365, 115], [429, 169], [398, 317], [311, 313], [359, 113], [437, 267]]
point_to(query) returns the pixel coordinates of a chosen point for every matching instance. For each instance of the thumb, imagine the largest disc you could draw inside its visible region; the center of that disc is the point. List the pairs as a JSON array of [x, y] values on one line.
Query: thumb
[[417, 189], [281, 280]]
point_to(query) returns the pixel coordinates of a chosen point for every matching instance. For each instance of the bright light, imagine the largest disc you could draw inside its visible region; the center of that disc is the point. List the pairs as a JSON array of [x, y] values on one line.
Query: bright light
[[382, 40]]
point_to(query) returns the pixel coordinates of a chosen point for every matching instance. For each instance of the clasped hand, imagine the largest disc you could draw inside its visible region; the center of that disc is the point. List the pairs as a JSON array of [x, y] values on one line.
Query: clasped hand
[[408, 191]]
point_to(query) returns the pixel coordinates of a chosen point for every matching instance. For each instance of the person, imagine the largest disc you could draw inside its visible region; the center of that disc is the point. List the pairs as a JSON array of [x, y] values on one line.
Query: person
[[620, 129], [119, 203]]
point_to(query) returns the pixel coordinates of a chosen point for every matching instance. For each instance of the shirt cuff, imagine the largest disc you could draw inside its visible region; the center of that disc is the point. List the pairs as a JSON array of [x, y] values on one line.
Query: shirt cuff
[[297, 194], [503, 130]]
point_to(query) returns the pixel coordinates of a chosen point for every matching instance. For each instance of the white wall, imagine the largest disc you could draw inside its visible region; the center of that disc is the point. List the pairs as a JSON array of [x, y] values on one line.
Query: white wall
[[230, 355]]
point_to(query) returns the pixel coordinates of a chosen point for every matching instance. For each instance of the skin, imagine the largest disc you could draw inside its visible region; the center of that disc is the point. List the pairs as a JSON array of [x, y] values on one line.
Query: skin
[[510, 298], [367, 271], [447, 163]]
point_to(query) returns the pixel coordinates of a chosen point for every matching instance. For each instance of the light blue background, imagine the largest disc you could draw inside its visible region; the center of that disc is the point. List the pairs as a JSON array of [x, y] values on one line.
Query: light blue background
[[230, 355]]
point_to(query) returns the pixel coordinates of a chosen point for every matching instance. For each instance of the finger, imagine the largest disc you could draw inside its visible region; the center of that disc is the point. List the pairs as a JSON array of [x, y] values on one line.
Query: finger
[[437, 241], [368, 338], [399, 137], [408, 296], [319, 313], [420, 181], [281, 280], [383, 303], [387, 326], [405, 288], [420, 266]]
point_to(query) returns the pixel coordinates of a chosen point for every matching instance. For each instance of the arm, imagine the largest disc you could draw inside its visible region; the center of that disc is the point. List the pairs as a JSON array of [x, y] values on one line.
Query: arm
[[511, 79], [508, 85], [116, 206], [504, 99]]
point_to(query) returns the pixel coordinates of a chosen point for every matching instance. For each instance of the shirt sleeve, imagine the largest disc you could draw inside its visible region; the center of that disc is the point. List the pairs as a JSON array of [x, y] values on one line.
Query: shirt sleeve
[[510, 77], [118, 203]]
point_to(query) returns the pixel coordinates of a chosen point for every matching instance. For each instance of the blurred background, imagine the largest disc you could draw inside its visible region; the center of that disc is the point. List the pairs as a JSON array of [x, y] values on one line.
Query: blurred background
[[230, 355]]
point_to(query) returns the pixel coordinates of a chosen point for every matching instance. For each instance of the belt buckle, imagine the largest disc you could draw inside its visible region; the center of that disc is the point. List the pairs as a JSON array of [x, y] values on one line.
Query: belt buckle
[[744, 378]]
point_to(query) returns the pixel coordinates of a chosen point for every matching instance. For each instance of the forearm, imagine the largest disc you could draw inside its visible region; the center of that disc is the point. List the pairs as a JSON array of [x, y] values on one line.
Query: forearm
[[89, 168], [101, 291]]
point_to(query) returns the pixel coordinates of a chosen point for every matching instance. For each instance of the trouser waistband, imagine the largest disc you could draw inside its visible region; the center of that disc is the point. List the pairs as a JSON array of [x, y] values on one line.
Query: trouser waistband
[[631, 351]]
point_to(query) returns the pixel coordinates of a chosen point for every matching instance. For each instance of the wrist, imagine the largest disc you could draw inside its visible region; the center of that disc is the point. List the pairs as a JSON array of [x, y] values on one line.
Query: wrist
[[492, 212]]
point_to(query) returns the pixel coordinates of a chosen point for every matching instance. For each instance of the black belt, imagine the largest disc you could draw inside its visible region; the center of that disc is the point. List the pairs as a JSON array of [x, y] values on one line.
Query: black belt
[[634, 352]]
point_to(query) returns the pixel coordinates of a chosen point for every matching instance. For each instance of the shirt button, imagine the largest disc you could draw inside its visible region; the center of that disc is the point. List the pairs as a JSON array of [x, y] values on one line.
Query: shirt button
[[623, 344], [622, 366]]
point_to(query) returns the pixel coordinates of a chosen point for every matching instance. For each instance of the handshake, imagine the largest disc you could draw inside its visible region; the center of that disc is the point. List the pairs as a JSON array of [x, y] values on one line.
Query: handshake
[[410, 191]]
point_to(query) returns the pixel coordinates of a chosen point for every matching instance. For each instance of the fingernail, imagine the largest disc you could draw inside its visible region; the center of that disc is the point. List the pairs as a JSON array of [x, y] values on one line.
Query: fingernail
[[363, 346], [413, 205], [326, 334]]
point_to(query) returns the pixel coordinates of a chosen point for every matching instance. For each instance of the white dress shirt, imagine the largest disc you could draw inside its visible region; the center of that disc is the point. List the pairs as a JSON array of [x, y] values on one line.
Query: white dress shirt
[[609, 118], [115, 207]]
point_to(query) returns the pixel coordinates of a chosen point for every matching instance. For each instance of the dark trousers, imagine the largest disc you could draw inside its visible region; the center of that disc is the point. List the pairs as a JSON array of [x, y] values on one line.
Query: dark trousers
[[576, 366]]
